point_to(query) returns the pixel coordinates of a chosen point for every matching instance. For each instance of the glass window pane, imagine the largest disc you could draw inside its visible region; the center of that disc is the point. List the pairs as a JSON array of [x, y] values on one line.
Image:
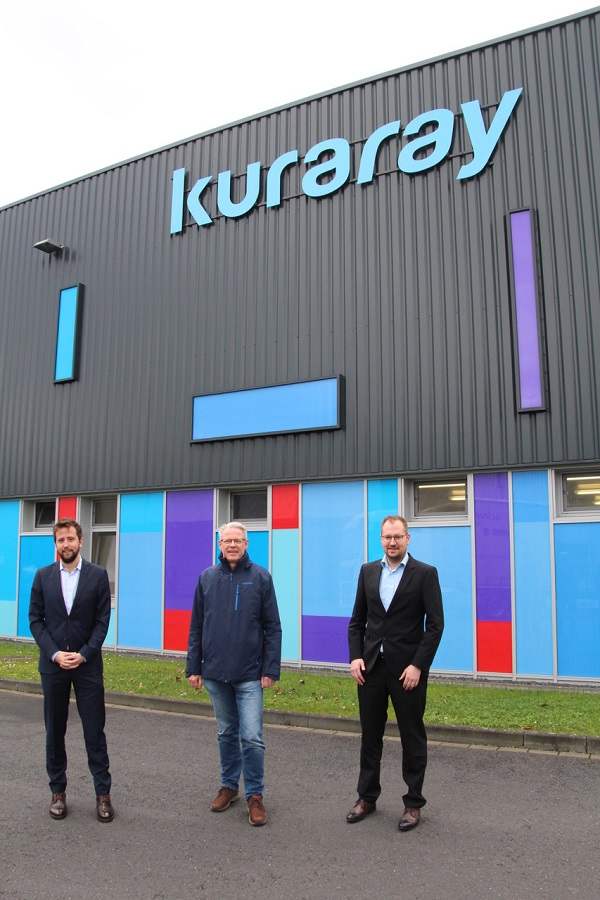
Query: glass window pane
[[104, 546], [437, 498], [249, 505], [582, 492], [44, 513], [105, 511]]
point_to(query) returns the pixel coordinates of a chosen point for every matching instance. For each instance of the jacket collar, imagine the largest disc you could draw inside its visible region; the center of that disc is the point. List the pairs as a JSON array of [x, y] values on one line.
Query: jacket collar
[[244, 563]]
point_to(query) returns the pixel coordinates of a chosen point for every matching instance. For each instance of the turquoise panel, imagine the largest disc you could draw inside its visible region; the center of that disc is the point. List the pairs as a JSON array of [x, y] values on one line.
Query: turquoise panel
[[66, 335], [111, 637], [332, 546], [139, 606], [258, 548], [36, 551], [577, 551], [533, 588], [285, 577], [9, 548], [449, 550], [382, 500]]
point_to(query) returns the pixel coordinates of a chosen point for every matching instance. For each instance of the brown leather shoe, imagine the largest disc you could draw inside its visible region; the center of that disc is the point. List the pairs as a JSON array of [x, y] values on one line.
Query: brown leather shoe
[[225, 797], [410, 818], [360, 810], [257, 814], [58, 806], [104, 808]]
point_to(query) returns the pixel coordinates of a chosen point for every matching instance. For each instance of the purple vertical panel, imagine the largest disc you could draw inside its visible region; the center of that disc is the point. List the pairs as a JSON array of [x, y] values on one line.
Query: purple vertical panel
[[526, 313], [492, 548], [189, 543]]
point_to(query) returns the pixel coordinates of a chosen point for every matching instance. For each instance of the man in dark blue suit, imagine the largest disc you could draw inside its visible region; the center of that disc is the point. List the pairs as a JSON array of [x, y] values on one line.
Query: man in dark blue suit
[[69, 612]]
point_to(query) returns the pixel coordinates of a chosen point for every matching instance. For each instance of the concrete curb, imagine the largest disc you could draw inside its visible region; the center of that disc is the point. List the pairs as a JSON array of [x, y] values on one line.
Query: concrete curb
[[454, 734]]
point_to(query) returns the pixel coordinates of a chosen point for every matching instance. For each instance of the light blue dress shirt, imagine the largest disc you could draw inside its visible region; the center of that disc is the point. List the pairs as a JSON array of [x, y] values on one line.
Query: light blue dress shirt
[[390, 579]]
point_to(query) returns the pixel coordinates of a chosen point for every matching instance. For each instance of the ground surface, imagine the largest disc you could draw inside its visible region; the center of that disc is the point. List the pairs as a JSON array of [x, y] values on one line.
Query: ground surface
[[499, 824]]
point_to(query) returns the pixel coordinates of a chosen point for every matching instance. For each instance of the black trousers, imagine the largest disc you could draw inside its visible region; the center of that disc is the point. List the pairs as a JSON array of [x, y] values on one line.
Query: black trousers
[[89, 695], [373, 698]]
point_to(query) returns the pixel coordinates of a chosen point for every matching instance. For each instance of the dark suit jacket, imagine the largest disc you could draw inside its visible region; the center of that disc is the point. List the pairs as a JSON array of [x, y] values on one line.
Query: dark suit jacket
[[409, 631], [84, 630]]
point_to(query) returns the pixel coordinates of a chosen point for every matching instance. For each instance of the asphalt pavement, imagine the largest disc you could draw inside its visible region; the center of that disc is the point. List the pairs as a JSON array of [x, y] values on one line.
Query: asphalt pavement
[[500, 823]]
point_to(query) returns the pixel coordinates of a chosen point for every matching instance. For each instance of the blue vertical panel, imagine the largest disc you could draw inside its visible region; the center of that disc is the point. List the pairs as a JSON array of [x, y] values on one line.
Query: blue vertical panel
[[67, 334], [285, 577], [139, 609], [9, 548], [382, 500], [577, 551], [258, 548], [449, 550], [533, 590], [36, 551], [111, 636]]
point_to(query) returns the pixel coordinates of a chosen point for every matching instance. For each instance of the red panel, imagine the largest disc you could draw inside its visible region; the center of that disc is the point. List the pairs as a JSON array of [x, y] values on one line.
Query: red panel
[[177, 628], [494, 647], [284, 503], [67, 507]]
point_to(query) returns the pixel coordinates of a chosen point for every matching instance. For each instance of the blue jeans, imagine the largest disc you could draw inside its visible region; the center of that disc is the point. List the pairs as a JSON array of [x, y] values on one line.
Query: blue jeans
[[238, 710]]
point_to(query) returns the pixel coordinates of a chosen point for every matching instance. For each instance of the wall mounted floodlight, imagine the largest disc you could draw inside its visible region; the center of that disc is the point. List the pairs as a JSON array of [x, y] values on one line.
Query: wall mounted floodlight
[[48, 246]]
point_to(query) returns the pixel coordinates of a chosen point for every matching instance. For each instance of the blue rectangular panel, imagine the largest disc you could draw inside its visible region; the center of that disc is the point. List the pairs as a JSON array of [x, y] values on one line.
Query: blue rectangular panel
[[304, 406], [332, 546], [36, 551], [258, 548], [9, 548], [8, 618], [111, 637], [577, 551], [139, 597], [285, 577], [382, 500], [67, 334], [449, 550], [533, 588]]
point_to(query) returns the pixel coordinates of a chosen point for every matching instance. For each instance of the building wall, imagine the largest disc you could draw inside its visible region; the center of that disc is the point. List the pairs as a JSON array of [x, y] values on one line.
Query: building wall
[[520, 586]]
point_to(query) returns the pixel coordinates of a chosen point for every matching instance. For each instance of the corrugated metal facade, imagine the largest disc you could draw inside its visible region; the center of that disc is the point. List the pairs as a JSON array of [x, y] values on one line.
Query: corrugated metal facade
[[401, 285]]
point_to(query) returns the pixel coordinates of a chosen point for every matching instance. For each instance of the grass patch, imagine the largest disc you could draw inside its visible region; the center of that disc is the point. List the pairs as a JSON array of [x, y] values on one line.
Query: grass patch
[[521, 709]]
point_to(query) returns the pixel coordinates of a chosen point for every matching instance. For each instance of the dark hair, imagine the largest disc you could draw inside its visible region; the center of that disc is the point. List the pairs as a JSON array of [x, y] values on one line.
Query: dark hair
[[67, 523]]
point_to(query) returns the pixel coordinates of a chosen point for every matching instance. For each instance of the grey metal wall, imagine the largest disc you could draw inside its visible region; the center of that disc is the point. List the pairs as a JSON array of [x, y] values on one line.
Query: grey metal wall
[[401, 285]]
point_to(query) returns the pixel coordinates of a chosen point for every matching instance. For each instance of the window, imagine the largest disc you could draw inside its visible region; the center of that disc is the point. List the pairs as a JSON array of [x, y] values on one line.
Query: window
[[581, 492], [104, 537], [45, 511], [247, 505], [439, 498]]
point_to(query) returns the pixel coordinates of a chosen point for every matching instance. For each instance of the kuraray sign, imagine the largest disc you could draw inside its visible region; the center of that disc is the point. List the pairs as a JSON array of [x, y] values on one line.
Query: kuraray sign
[[438, 139]]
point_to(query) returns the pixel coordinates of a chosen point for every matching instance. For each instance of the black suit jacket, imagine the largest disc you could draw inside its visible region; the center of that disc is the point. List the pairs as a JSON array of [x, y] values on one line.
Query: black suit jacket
[[410, 630], [84, 630]]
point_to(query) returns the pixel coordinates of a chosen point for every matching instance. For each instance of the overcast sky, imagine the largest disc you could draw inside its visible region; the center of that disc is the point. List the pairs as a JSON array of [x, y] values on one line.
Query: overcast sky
[[87, 84]]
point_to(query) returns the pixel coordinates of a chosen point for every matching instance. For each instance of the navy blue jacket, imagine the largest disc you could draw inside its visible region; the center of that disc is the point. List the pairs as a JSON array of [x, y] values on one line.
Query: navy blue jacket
[[235, 633], [84, 629]]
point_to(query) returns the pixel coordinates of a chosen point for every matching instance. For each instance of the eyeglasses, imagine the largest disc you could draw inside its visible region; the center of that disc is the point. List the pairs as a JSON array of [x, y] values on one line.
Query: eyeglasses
[[236, 541], [388, 538]]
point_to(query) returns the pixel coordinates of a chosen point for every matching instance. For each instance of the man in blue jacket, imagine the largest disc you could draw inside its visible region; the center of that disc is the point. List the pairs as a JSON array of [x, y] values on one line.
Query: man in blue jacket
[[235, 652]]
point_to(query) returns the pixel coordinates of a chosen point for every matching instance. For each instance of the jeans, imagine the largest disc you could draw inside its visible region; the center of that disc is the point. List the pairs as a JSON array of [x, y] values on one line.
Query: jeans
[[238, 709]]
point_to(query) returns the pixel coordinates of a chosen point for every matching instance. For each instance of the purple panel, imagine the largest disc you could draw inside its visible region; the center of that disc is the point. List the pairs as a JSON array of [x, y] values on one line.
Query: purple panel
[[325, 638], [189, 544], [528, 340], [492, 548]]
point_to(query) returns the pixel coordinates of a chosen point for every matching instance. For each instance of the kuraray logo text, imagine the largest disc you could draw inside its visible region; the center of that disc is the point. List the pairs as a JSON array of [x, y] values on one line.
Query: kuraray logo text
[[336, 166]]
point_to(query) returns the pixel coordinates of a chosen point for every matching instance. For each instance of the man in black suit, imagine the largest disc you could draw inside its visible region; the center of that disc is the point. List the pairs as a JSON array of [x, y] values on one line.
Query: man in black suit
[[69, 612], [393, 634]]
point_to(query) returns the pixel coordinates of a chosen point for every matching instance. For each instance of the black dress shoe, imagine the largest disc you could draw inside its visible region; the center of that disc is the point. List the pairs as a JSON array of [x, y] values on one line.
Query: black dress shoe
[[58, 806], [360, 810], [410, 818], [104, 808]]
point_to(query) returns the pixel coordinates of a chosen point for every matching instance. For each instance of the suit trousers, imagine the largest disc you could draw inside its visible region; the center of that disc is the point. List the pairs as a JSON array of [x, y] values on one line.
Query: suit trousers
[[373, 698], [89, 695]]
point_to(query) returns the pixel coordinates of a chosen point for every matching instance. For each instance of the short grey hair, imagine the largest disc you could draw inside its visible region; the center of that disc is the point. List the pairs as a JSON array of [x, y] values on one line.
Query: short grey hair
[[237, 525]]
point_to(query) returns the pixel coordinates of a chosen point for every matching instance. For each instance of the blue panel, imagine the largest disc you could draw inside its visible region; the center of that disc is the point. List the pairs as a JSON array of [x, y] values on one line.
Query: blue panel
[[66, 336], [258, 548], [9, 548], [36, 551], [382, 500], [8, 618], [533, 590], [111, 637], [449, 550], [139, 607], [285, 577], [332, 546], [303, 406], [577, 551], [140, 591]]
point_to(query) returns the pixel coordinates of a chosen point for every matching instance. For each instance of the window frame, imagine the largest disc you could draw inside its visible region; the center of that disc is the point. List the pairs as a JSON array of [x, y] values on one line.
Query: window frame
[[435, 519]]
